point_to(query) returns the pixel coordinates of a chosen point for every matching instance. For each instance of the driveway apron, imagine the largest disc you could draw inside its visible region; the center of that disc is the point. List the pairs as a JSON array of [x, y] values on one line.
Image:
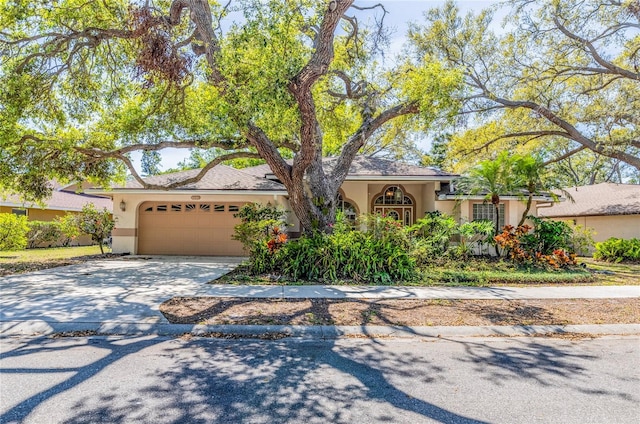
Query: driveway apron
[[122, 290]]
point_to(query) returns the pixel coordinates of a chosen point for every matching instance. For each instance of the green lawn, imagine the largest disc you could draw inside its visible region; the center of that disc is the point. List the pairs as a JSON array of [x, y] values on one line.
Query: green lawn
[[35, 255], [480, 278], [611, 274], [36, 259]]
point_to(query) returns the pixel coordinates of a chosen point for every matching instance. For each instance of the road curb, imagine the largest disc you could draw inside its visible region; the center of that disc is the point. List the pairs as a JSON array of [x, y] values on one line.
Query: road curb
[[43, 328]]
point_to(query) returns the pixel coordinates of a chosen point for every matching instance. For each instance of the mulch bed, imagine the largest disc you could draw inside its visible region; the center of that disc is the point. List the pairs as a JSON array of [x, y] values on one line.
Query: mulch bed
[[401, 312]]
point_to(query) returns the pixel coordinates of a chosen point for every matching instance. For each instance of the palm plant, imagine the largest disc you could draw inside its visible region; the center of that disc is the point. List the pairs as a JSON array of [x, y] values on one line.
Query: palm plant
[[530, 175], [490, 178]]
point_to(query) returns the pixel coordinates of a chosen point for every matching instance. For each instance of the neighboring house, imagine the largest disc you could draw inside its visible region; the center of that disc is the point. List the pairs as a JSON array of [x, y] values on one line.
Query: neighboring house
[[612, 210], [63, 200], [198, 219]]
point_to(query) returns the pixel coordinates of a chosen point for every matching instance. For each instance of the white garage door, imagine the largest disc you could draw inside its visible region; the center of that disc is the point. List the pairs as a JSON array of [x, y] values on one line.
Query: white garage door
[[198, 228]]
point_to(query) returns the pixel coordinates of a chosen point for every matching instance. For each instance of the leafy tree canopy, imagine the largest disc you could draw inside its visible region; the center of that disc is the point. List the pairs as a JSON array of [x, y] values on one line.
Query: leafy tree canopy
[[561, 80], [85, 83]]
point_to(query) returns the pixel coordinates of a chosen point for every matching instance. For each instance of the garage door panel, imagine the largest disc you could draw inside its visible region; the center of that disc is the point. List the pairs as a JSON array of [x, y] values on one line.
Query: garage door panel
[[174, 228]]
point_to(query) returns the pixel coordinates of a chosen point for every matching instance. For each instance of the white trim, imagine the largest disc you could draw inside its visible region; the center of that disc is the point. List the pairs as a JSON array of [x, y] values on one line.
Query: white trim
[[35, 206], [393, 178], [463, 198], [123, 191], [390, 178]]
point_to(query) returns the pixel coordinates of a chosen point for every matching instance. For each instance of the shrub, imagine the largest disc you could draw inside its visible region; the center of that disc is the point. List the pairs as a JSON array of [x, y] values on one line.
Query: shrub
[[13, 232], [377, 255], [43, 232], [367, 256], [472, 234], [525, 248], [581, 240], [618, 250], [261, 233], [98, 224], [432, 235], [69, 229], [547, 236]]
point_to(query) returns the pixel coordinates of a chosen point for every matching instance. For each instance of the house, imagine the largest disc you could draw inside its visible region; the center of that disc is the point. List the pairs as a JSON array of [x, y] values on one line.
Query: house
[[198, 219], [612, 210], [64, 199]]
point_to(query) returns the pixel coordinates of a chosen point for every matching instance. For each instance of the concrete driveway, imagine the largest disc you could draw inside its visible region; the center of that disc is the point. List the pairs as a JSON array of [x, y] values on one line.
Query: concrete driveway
[[127, 290]]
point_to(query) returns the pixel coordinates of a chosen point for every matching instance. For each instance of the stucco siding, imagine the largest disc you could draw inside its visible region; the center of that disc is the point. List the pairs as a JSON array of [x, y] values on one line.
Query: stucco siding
[[619, 226]]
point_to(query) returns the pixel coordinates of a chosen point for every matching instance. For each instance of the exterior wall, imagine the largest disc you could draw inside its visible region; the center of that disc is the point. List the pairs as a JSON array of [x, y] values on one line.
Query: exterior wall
[[619, 226], [463, 210], [125, 233], [363, 193], [357, 192], [44, 214]]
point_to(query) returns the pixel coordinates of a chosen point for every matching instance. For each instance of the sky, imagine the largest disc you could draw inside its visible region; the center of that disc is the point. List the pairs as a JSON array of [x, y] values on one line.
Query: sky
[[400, 14]]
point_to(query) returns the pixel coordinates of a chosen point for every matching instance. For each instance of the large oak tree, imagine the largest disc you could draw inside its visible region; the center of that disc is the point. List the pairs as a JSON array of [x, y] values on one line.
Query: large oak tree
[[86, 82], [560, 78]]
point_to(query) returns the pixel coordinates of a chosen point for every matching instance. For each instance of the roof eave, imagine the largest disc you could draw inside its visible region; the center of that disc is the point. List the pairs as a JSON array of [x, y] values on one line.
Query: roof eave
[[36, 206], [479, 197], [392, 178], [114, 191]]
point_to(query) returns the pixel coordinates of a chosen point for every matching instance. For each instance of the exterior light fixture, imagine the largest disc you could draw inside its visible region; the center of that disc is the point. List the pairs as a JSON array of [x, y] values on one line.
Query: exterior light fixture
[[123, 206]]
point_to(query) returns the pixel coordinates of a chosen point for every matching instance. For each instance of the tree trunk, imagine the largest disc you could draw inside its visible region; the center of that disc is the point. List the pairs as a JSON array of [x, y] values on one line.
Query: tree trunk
[[526, 210]]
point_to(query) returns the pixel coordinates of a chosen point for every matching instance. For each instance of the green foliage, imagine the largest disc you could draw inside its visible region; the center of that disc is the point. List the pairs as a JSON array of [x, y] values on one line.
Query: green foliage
[[98, 224], [150, 162], [548, 235], [259, 85], [490, 178], [376, 256], [43, 232], [475, 233], [560, 80], [69, 229], [261, 233], [581, 240], [353, 255], [432, 235], [13, 232], [618, 250], [547, 246], [257, 222]]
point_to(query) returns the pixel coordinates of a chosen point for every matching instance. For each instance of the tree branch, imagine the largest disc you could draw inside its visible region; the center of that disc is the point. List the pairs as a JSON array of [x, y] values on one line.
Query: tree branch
[[594, 53], [360, 137]]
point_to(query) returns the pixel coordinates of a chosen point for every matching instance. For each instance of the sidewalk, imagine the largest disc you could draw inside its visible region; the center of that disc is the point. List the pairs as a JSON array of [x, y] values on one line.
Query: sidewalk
[[129, 325], [408, 292], [123, 296]]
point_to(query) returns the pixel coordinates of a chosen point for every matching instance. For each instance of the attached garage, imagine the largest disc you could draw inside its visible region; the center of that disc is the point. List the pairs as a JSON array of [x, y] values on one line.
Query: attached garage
[[188, 228]]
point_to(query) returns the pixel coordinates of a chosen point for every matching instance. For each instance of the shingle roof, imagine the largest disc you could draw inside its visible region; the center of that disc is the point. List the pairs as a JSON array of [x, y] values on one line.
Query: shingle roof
[[62, 200], [598, 199], [365, 166], [371, 166], [220, 177]]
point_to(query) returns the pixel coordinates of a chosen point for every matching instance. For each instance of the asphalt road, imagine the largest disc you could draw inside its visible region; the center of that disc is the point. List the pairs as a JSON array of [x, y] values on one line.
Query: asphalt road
[[466, 380]]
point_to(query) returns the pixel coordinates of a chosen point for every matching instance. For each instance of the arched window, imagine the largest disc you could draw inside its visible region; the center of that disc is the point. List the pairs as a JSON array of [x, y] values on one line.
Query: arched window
[[393, 195], [395, 203], [349, 209]]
